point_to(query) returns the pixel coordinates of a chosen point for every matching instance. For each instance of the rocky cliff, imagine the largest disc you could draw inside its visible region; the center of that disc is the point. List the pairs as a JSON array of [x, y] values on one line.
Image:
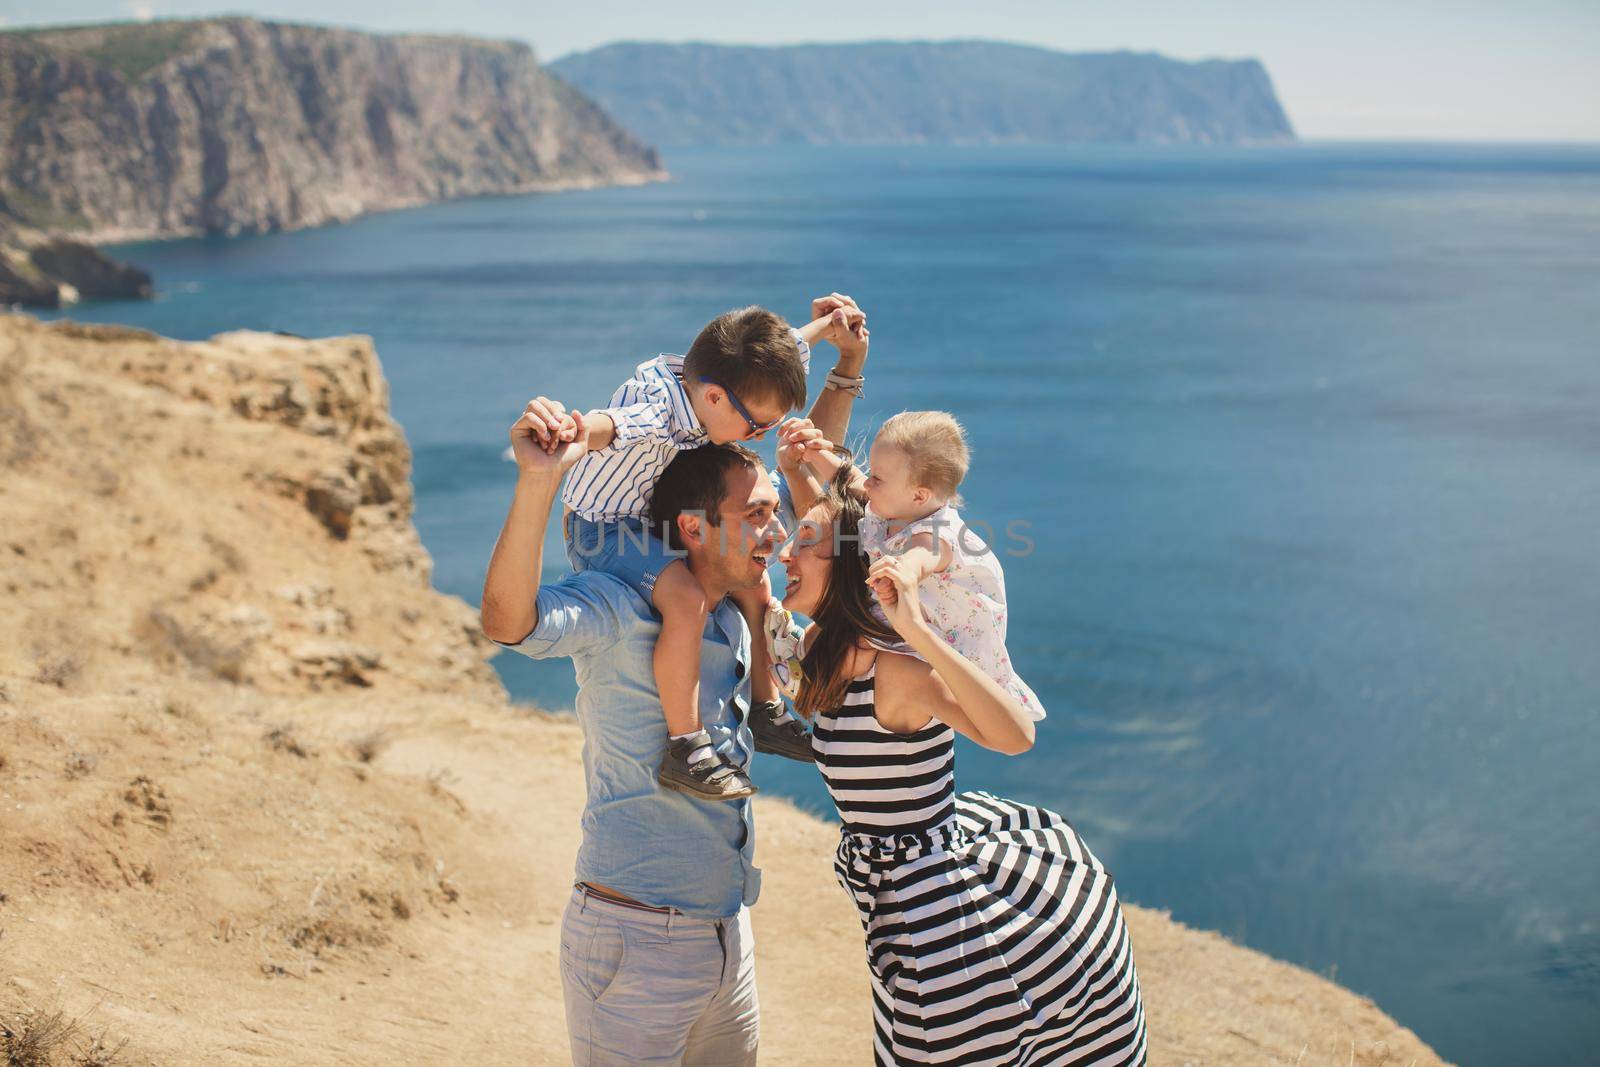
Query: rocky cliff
[[262, 799], [950, 92], [233, 126]]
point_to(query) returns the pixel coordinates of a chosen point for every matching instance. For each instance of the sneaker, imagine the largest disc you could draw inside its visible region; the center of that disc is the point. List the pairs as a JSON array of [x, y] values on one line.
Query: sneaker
[[711, 777], [779, 733]]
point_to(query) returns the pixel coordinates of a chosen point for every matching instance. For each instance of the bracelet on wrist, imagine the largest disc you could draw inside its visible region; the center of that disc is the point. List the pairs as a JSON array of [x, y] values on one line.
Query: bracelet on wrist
[[852, 384]]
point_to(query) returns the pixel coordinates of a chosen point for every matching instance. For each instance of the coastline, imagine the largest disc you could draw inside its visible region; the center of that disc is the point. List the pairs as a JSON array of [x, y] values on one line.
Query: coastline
[[127, 235], [247, 817]]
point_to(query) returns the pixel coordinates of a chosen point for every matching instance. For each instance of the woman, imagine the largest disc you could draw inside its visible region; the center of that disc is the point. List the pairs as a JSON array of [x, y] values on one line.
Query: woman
[[993, 934]]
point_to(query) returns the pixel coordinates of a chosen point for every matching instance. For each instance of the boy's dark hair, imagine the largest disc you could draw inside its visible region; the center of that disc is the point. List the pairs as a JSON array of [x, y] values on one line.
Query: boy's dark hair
[[695, 482], [751, 352]]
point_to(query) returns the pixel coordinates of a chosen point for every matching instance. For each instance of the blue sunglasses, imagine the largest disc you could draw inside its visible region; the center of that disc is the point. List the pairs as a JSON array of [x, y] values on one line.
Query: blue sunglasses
[[756, 428]]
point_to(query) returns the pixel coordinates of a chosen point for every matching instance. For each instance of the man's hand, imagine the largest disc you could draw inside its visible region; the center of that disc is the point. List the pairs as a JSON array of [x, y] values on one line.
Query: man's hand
[[849, 337], [824, 306], [548, 438], [833, 319]]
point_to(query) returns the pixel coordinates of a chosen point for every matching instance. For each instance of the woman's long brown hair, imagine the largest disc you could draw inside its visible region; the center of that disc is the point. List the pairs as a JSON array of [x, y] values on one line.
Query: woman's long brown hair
[[844, 614]]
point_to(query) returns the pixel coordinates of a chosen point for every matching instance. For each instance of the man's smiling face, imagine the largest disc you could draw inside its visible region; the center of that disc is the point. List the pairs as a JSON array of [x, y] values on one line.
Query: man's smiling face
[[748, 533]]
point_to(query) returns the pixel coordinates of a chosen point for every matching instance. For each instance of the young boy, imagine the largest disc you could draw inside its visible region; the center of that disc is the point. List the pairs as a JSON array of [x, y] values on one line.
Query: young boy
[[745, 372]]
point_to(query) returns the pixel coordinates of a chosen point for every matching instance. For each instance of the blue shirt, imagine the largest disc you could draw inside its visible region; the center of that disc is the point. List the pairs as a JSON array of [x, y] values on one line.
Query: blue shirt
[[652, 844]]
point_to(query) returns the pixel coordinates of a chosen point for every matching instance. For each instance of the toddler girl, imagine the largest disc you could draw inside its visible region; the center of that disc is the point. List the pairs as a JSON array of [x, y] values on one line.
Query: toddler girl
[[917, 463]]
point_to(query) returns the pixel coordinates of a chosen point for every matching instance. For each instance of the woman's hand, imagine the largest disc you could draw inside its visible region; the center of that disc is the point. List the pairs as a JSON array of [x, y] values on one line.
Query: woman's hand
[[894, 583]]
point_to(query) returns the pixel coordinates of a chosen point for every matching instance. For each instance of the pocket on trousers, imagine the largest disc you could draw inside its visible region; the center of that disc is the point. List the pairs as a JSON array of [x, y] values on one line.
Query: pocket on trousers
[[661, 977], [595, 966]]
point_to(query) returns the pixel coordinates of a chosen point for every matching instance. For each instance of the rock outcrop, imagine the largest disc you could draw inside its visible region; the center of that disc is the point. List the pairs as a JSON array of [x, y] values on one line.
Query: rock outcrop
[[234, 126], [38, 270], [175, 456], [961, 92]]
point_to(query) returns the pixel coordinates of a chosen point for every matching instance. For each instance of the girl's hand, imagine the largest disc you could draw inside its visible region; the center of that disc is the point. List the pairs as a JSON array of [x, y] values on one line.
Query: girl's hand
[[894, 583], [801, 442]]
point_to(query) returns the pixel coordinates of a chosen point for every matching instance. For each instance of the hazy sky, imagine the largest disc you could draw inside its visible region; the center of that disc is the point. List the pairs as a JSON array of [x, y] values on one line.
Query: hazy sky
[[1431, 69]]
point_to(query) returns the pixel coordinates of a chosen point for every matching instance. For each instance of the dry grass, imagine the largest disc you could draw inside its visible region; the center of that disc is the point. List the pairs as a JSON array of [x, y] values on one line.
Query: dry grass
[[367, 745], [149, 800], [80, 764], [59, 669], [100, 1054], [32, 1037], [281, 738]]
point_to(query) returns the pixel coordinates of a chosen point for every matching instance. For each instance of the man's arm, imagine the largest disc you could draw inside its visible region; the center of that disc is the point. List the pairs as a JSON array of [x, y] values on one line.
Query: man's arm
[[511, 588]]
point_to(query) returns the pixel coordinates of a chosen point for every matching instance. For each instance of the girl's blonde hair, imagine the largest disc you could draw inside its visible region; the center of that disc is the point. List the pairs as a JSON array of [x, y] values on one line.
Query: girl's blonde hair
[[936, 446]]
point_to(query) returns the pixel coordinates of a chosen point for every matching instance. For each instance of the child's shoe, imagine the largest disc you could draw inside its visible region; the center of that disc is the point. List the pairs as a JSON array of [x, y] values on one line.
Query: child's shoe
[[779, 733], [711, 777]]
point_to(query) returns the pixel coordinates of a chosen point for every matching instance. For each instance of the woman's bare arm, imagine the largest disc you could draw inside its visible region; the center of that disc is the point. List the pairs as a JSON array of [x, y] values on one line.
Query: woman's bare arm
[[948, 686]]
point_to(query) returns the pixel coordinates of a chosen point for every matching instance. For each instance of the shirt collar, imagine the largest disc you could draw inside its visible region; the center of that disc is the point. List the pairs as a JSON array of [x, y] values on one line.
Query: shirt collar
[[685, 425]]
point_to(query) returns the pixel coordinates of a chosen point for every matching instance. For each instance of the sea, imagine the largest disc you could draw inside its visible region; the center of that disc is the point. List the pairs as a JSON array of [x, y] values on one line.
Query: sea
[[1292, 453]]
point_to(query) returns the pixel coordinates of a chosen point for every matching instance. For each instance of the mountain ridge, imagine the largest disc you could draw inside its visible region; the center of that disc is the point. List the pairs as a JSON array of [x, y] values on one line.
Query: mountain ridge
[[964, 91]]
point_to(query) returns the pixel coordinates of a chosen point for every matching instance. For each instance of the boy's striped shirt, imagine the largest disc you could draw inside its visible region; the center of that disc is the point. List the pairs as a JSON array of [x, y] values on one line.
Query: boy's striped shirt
[[654, 419]]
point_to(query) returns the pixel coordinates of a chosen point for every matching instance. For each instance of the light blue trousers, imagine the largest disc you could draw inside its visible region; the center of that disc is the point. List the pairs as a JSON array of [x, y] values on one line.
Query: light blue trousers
[[644, 989]]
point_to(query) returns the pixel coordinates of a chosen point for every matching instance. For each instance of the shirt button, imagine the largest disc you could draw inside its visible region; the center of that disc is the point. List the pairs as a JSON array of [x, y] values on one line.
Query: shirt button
[[738, 670]]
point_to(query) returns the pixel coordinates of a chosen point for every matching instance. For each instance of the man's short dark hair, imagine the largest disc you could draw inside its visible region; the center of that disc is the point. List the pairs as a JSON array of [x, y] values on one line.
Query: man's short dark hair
[[696, 482], [751, 352]]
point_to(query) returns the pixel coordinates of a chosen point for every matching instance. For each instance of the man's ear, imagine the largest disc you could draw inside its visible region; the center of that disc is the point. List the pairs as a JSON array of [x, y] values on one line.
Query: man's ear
[[691, 528]]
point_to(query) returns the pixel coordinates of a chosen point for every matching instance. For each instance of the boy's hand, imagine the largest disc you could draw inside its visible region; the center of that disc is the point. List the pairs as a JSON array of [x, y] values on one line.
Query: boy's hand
[[550, 422]]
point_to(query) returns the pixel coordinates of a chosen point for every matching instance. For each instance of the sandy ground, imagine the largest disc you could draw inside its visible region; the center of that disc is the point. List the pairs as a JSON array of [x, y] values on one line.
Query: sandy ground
[[261, 799]]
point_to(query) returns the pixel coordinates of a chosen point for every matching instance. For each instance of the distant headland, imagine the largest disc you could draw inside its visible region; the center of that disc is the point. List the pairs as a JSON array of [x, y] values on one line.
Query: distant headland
[[956, 92]]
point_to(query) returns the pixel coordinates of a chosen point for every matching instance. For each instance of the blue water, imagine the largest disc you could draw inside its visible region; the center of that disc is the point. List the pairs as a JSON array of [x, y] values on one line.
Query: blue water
[[1309, 443]]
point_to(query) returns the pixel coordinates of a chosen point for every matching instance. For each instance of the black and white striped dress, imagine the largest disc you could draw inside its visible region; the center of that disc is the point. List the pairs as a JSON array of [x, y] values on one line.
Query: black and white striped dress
[[993, 933]]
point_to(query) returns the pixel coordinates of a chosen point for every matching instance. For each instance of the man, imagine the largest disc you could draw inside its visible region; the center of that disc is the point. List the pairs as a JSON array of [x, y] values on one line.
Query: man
[[657, 959]]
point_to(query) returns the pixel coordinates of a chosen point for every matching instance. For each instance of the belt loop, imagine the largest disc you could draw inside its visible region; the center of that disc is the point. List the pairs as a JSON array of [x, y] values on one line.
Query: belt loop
[[671, 915]]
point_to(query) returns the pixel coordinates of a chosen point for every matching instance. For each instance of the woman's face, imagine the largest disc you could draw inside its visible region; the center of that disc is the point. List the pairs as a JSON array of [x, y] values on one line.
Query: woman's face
[[808, 561]]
